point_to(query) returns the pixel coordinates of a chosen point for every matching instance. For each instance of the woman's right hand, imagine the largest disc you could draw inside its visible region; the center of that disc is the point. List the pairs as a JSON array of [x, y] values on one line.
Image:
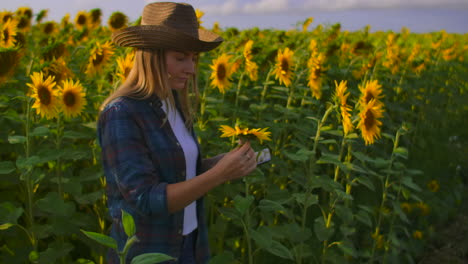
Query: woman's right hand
[[237, 163]]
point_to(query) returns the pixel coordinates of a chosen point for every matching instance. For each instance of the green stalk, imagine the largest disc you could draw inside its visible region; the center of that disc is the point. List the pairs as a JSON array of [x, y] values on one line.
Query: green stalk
[[386, 185], [58, 145], [308, 191], [246, 225], [128, 245], [239, 84], [265, 86], [29, 183]]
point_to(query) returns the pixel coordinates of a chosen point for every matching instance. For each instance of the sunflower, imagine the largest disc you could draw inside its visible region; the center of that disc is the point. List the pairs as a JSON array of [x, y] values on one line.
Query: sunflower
[[50, 28], [81, 20], [222, 71], [100, 56], [261, 134], [95, 17], [8, 33], [46, 101], [125, 64], [72, 98], [24, 15], [65, 20], [433, 186], [58, 69], [199, 15], [117, 21], [9, 59], [306, 24], [42, 14], [342, 97], [284, 66], [418, 234], [370, 90], [369, 122], [248, 50], [245, 133], [252, 70], [5, 16], [315, 65]]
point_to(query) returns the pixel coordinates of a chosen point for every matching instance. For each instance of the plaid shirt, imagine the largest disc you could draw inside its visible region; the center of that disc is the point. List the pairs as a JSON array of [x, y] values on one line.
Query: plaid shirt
[[141, 155]]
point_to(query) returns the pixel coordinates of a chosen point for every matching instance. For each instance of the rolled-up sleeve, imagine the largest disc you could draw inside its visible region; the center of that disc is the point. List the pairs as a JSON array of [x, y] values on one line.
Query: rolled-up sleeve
[[132, 178]]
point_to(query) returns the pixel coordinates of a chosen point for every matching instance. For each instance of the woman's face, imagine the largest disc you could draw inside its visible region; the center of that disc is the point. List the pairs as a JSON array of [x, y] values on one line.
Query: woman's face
[[180, 67]]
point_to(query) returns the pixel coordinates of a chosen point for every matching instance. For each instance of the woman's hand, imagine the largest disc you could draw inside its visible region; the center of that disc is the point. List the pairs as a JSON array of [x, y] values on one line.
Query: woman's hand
[[237, 163]]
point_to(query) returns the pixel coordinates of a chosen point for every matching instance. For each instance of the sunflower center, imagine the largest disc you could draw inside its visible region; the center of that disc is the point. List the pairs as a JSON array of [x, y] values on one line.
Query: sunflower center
[[369, 97], [6, 35], [44, 95], [81, 20], [98, 59], [117, 21], [284, 65], [69, 99], [221, 72], [49, 28], [369, 122]]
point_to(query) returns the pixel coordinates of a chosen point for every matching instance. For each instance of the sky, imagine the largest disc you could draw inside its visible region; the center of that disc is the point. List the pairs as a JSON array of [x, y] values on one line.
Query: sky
[[382, 15]]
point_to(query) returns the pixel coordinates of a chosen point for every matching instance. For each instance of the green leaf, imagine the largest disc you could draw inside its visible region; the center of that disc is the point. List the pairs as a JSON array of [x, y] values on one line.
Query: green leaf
[[7, 167], [363, 217], [400, 213], [5, 226], [151, 258], [301, 155], [128, 224], [279, 250], [77, 135], [84, 261], [55, 251], [242, 204], [262, 238], [270, 206], [348, 248], [54, 204], [408, 182], [344, 213], [366, 182], [231, 213], [306, 199], [9, 213], [402, 152], [40, 131], [27, 163], [102, 239], [16, 139], [321, 231], [224, 258]]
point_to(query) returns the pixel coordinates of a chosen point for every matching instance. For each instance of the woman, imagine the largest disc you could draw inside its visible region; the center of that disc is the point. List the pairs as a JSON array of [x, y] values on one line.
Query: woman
[[151, 158]]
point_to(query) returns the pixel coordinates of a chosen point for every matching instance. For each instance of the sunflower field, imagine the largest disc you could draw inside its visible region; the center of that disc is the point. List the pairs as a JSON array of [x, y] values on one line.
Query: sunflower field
[[367, 132]]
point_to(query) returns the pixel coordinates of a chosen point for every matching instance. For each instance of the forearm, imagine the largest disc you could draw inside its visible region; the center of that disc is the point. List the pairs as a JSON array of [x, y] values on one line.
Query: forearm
[[209, 163], [181, 194]]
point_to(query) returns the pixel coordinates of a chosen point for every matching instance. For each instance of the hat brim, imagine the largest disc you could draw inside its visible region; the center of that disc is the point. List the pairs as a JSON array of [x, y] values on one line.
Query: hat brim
[[160, 36]]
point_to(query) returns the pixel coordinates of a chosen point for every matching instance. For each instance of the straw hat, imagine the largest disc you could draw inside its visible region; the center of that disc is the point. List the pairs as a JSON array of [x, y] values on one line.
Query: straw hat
[[170, 26]]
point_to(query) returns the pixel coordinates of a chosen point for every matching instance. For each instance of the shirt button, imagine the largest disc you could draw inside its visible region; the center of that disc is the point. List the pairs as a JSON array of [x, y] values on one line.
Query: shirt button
[[178, 144], [179, 231]]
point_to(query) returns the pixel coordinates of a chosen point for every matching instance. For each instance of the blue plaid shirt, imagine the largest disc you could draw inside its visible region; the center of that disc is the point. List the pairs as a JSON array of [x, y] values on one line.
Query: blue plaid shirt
[[141, 155]]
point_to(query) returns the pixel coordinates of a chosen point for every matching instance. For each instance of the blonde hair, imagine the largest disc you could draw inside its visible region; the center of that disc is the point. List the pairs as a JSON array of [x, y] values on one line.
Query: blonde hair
[[148, 77]]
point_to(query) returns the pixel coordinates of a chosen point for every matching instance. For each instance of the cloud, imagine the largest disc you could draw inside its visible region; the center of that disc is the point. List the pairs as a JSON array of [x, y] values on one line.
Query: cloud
[[237, 7], [266, 6], [350, 4], [227, 8]]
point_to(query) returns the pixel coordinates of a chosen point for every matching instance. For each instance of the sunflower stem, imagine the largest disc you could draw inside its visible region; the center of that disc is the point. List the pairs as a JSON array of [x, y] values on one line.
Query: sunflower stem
[[239, 84], [28, 181], [58, 145], [385, 187]]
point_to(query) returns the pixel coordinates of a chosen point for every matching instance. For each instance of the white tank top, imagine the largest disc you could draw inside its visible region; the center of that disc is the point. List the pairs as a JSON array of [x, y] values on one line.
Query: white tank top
[[189, 146]]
